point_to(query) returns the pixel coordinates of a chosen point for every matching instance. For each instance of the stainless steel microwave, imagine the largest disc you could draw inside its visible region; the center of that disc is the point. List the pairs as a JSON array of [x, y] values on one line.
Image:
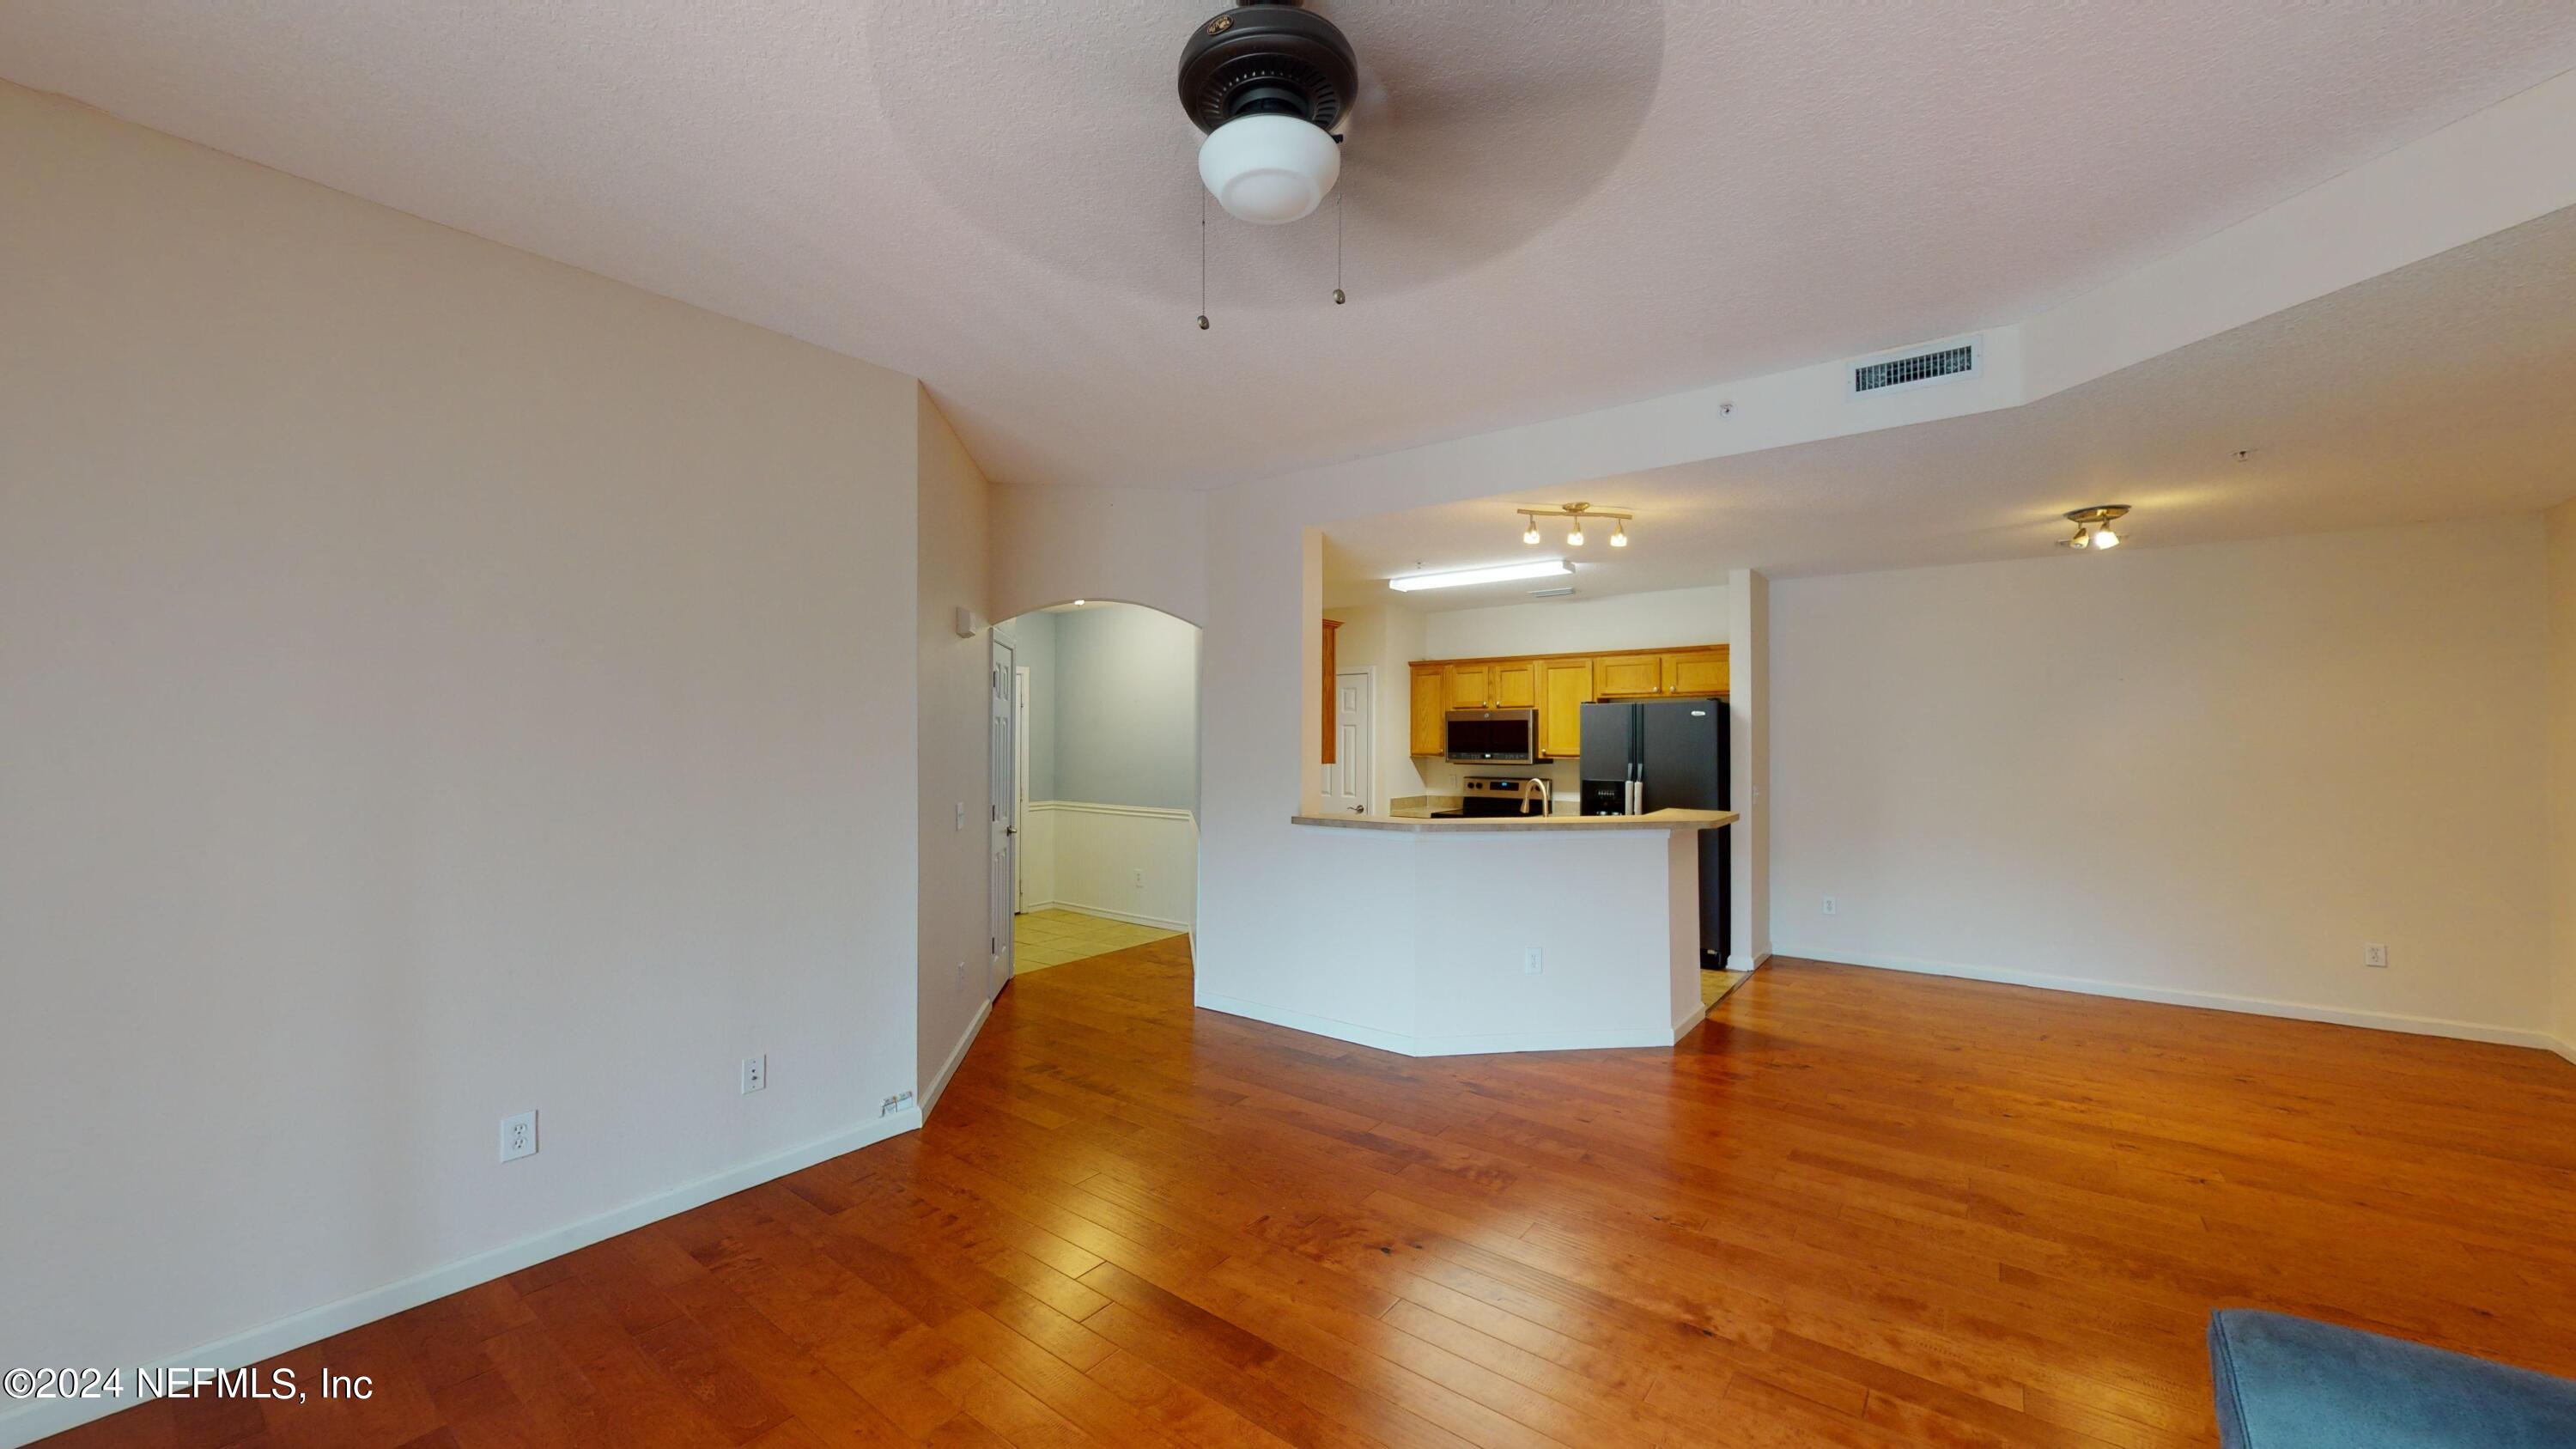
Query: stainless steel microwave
[[1491, 736]]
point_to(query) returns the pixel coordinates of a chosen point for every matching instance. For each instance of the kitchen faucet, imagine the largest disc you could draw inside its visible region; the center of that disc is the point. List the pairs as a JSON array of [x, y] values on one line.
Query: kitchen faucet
[[1534, 788]]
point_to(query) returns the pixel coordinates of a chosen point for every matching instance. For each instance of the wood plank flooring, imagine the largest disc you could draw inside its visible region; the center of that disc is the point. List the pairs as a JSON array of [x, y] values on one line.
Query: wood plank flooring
[[1857, 1208]]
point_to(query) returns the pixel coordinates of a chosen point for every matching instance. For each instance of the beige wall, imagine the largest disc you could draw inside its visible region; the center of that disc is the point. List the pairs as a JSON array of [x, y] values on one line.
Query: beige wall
[[2202, 774], [952, 771], [1053, 544], [1566, 626], [435, 683], [2561, 523]]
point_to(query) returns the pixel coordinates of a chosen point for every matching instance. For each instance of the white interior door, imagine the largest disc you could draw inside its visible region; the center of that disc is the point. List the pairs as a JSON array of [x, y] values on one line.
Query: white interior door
[[1003, 812], [1346, 780]]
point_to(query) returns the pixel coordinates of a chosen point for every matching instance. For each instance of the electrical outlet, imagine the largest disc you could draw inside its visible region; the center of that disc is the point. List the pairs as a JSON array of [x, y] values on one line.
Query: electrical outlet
[[755, 1073], [518, 1136], [961, 975], [2374, 954], [961, 814], [895, 1103], [1530, 961], [1829, 905], [1140, 879]]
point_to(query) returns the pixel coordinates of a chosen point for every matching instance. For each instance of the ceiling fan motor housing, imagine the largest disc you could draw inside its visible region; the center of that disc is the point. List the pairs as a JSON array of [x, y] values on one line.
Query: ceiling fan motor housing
[[1268, 59]]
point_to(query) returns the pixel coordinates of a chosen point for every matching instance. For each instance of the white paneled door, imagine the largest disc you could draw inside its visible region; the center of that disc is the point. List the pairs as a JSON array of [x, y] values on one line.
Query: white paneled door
[[1346, 780], [1002, 887]]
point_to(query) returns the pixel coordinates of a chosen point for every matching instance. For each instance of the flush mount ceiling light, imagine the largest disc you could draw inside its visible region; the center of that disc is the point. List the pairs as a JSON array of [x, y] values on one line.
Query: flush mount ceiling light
[[1618, 517], [1501, 573], [1268, 82], [2098, 519]]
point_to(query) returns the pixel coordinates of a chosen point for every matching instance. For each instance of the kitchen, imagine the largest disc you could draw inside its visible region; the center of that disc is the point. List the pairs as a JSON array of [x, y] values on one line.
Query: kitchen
[[1536, 728]]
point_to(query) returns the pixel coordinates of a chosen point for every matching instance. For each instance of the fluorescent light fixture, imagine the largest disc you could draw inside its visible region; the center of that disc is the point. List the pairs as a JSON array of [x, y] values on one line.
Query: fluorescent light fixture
[[1500, 573]]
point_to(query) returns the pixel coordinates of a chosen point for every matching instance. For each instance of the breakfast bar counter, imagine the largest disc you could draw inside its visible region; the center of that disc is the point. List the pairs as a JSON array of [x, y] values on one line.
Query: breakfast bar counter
[[1520, 824]]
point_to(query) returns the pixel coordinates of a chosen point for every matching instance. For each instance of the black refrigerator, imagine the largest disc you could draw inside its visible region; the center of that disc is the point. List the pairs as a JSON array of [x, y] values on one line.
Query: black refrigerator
[[1675, 749]]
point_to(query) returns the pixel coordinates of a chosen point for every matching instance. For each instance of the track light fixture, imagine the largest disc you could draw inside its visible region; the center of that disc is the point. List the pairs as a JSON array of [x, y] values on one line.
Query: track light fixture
[[1578, 512], [2093, 530]]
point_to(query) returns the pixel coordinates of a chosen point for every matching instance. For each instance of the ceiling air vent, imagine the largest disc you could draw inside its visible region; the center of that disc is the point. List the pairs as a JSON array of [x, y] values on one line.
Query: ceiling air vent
[[1918, 366]]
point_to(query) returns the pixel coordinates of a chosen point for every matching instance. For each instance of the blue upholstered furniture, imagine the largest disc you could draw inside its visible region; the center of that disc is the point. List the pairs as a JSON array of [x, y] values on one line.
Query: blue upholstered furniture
[[2293, 1383]]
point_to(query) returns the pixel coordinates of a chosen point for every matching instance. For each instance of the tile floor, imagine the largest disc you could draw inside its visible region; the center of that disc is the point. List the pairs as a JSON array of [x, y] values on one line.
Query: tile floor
[[1040, 939]]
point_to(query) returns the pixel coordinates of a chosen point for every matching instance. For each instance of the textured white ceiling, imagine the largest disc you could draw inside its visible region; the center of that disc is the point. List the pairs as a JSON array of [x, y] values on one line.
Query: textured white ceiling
[[2434, 391], [995, 195]]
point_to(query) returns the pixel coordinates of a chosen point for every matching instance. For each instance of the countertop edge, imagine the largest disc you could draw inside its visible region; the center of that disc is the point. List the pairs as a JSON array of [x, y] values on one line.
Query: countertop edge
[[1526, 825]]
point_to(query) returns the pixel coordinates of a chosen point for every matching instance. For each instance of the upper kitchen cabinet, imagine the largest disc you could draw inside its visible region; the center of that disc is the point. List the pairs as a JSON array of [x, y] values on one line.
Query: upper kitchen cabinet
[[1565, 687], [1332, 668], [1471, 686], [1628, 676], [1557, 686], [1490, 684], [1430, 703], [1678, 671], [1696, 671]]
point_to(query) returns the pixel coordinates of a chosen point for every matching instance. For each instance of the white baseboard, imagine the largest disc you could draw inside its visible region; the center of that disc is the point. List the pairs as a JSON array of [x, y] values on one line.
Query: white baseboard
[[1130, 917], [1349, 1031], [2167, 996], [957, 1057], [1689, 1019], [1741, 963], [41, 1418], [2565, 1049], [1437, 1046]]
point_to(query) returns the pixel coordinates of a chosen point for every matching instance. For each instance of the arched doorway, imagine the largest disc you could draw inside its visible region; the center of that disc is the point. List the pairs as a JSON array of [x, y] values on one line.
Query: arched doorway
[[1096, 758]]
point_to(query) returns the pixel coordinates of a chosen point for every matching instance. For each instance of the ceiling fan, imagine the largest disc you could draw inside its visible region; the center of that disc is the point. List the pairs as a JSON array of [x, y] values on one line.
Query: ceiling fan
[[1269, 82]]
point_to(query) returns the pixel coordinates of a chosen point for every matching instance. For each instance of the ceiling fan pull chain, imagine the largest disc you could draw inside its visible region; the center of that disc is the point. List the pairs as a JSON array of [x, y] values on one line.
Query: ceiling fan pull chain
[[1339, 199], [1203, 260]]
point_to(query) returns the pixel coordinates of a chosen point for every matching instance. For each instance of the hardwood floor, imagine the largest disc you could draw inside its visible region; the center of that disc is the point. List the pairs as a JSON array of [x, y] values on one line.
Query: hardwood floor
[[1858, 1208]]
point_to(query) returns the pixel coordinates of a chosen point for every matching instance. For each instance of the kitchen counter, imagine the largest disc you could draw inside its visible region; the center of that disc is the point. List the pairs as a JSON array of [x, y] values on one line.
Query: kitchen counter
[[1525, 824]]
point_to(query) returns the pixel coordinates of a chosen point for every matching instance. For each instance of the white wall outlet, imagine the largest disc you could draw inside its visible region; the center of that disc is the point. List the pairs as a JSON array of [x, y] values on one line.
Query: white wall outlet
[[895, 1103], [961, 975], [961, 814], [1829, 905], [1530, 960], [1140, 878], [755, 1073], [2374, 954], [518, 1136]]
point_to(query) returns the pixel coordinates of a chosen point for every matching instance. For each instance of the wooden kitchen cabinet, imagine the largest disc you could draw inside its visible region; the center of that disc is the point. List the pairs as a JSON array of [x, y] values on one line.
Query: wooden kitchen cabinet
[[1471, 686], [1332, 686], [1565, 687], [1557, 686], [1430, 703], [1695, 671], [1628, 676]]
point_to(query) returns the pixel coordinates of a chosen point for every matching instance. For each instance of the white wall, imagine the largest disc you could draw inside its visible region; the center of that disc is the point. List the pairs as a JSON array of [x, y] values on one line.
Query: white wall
[[1660, 620], [2206, 773], [436, 683], [2561, 526], [952, 769]]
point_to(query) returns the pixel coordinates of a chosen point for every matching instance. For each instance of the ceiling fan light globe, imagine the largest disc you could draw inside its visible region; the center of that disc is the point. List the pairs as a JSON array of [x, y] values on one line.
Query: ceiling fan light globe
[[1269, 168]]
